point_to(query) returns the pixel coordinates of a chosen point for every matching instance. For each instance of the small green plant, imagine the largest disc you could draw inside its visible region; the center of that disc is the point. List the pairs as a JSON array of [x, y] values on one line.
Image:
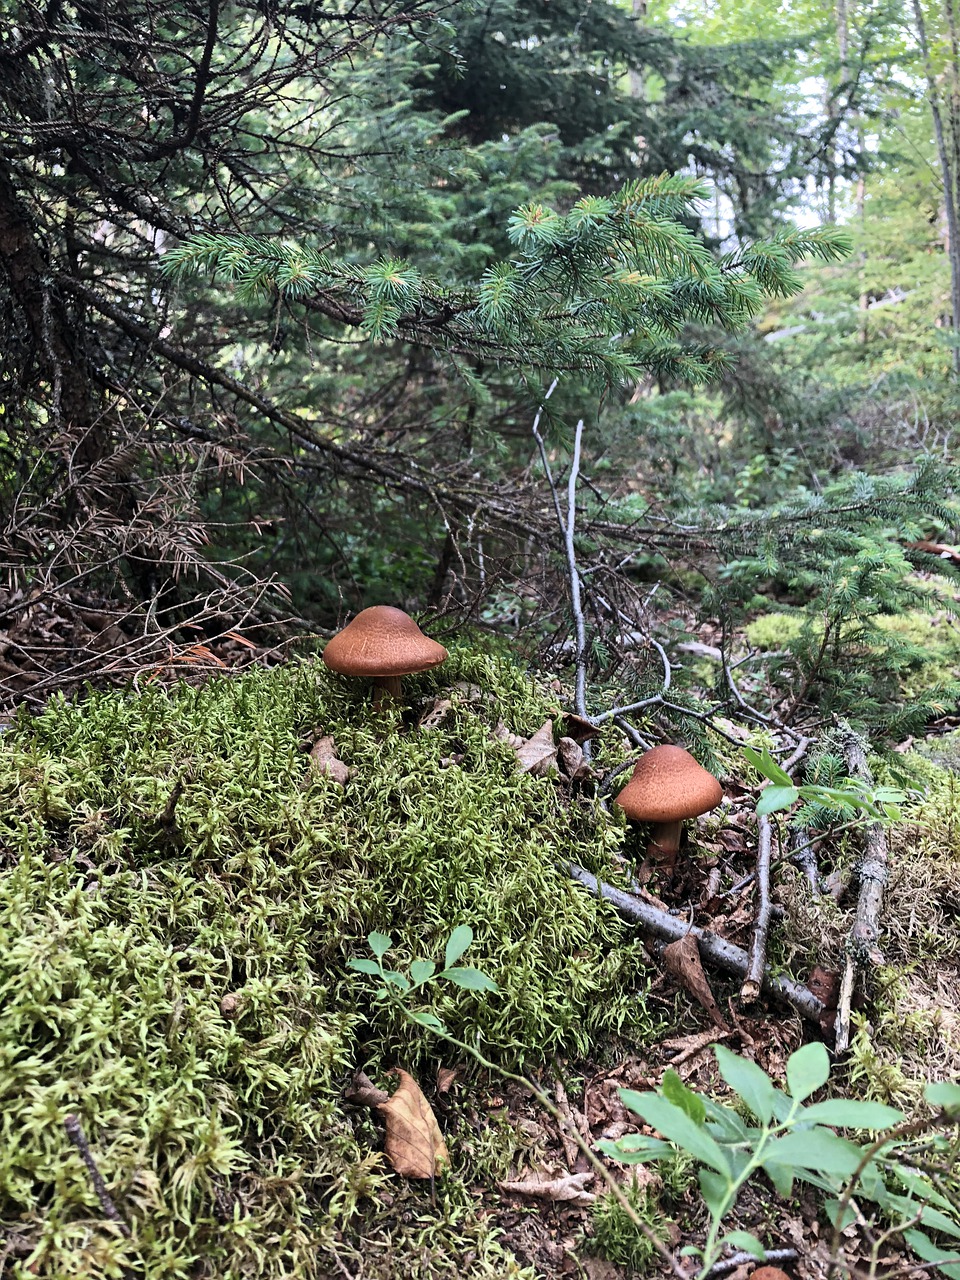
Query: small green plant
[[901, 1173], [852, 796], [421, 974], [401, 989]]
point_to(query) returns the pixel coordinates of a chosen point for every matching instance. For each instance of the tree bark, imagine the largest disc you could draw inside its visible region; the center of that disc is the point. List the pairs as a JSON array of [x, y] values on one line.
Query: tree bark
[[947, 167]]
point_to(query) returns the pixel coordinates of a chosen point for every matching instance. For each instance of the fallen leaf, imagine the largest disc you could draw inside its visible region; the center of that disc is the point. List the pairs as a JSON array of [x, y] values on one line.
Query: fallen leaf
[[230, 1004], [435, 716], [364, 1093], [825, 985], [685, 1047], [569, 1187], [538, 754], [599, 1269], [502, 734], [445, 1078], [570, 755], [682, 959], [414, 1144], [578, 729], [324, 761]]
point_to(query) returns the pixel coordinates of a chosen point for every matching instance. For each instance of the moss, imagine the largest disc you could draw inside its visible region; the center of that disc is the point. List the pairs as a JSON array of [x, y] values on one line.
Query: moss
[[125, 918], [774, 630]]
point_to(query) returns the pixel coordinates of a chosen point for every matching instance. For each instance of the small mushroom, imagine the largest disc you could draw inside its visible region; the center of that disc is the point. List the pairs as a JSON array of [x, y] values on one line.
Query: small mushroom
[[668, 786], [383, 644]]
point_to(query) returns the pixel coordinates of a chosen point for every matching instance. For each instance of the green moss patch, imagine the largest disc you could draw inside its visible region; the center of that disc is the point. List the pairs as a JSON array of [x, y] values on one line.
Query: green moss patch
[[164, 850]]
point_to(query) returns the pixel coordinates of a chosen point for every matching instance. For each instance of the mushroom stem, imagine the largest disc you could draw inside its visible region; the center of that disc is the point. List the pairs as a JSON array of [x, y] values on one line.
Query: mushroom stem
[[388, 688], [664, 842]]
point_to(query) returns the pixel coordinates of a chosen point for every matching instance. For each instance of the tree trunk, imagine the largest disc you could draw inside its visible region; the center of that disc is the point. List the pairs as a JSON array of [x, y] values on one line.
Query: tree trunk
[[945, 146]]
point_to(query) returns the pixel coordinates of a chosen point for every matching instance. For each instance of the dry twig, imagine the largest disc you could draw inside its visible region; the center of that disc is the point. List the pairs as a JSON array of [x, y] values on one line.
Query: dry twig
[[862, 948], [758, 945], [110, 1210], [661, 927]]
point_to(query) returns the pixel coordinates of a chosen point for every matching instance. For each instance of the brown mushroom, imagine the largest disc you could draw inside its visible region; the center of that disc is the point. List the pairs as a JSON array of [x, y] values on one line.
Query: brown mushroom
[[384, 644], [668, 786]]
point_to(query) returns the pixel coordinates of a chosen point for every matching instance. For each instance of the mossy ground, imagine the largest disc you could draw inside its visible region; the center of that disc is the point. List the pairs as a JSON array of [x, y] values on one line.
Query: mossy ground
[[124, 921]]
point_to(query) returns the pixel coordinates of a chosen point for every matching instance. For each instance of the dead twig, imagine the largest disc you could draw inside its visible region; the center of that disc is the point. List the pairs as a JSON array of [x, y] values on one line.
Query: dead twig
[[757, 961], [110, 1210], [661, 927], [803, 855], [741, 1259], [862, 948]]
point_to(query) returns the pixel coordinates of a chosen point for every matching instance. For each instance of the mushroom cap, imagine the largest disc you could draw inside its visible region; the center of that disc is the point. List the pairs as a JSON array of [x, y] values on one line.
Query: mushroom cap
[[667, 786], [382, 641]]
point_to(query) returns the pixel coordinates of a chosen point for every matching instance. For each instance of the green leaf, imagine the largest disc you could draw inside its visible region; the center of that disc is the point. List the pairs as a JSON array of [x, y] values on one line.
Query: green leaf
[[818, 1149], [427, 1020], [362, 965], [396, 979], [944, 1094], [851, 1113], [470, 979], [748, 1080], [715, 1189], [677, 1126], [635, 1148], [947, 1260], [380, 943], [832, 1209], [675, 1091], [781, 1175], [745, 1241], [774, 798], [765, 764], [807, 1070], [421, 970], [457, 944]]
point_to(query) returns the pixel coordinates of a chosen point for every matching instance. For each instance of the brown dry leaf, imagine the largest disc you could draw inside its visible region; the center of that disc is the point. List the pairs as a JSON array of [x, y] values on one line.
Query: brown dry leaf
[[324, 761], [570, 755], [445, 1078], [414, 1144], [685, 1047], [682, 959], [502, 734], [434, 717], [568, 1187], [825, 985], [538, 754], [578, 729]]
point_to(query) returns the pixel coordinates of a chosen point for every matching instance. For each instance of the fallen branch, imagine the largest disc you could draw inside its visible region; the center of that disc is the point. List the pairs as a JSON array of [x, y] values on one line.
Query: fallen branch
[[110, 1210], [861, 945], [662, 927], [803, 855], [740, 1259], [757, 960]]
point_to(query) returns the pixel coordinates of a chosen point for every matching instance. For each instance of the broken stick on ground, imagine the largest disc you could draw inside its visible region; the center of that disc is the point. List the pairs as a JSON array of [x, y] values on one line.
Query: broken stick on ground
[[660, 926], [862, 946], [757, 961]]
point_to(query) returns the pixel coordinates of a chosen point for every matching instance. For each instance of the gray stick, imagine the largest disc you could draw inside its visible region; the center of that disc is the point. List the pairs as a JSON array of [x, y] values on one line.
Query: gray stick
[[757, 961], [862, 948], [574, 574], [666, 928]]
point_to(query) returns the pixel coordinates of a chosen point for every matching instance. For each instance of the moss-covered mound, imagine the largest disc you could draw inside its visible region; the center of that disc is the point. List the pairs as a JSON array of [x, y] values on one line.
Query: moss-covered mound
[[162, 850]]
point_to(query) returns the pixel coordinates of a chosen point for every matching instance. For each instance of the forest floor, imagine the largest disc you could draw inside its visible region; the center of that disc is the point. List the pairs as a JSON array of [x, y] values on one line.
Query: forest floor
[[184, 882]]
